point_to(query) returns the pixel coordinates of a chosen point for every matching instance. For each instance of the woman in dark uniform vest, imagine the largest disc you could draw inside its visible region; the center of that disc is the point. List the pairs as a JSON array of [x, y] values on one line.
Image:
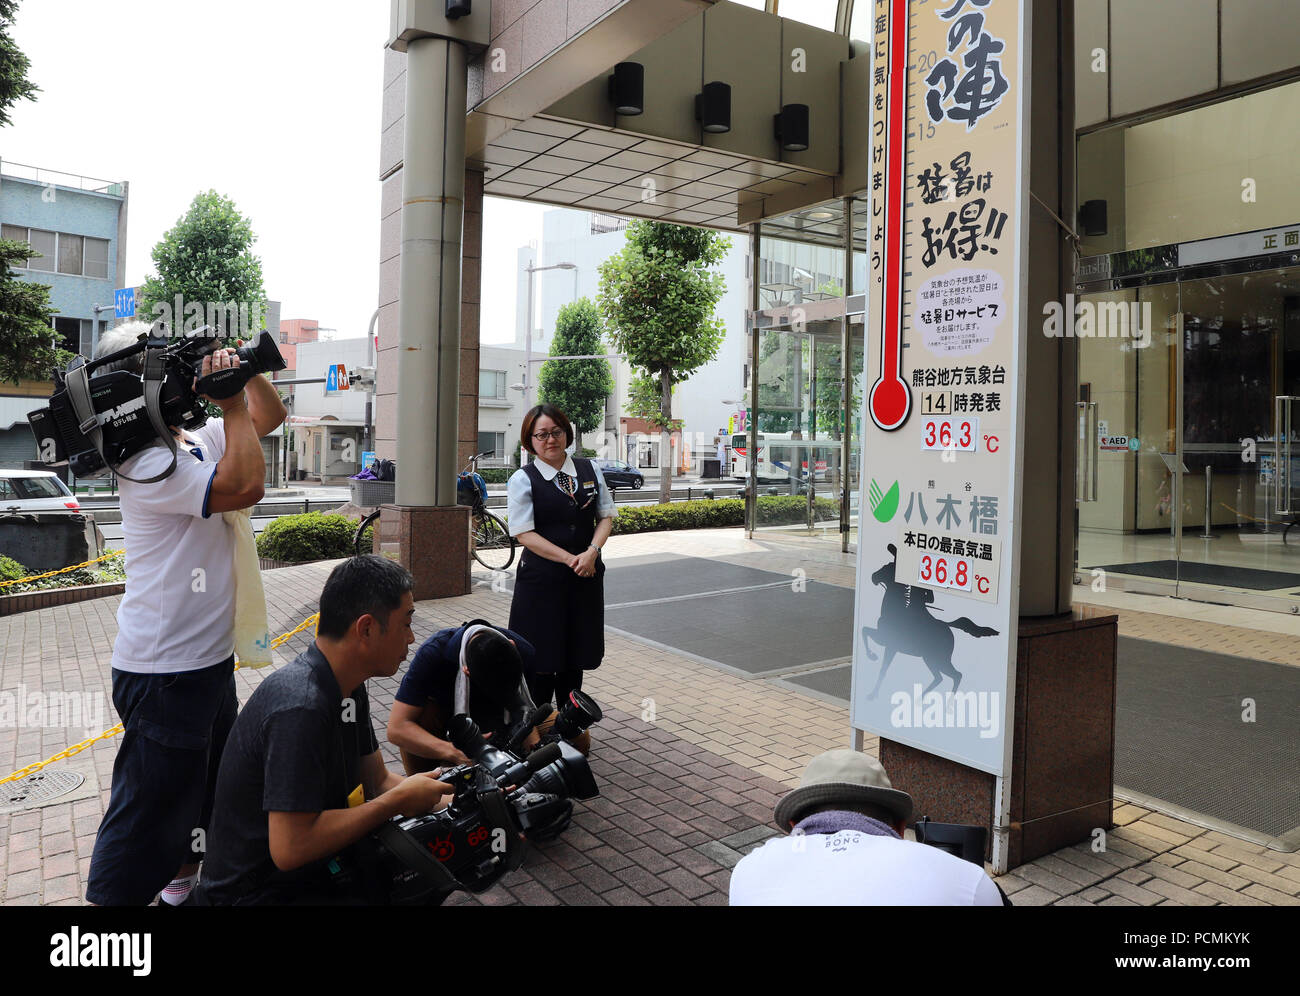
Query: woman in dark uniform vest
[[560, 510]]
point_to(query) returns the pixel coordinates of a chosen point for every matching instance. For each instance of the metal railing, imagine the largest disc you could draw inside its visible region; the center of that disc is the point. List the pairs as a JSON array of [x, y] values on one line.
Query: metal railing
[[19, 171]]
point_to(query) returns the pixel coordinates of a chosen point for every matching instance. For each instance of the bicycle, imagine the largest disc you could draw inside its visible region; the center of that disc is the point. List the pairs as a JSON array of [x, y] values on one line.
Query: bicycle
[[492, 544]]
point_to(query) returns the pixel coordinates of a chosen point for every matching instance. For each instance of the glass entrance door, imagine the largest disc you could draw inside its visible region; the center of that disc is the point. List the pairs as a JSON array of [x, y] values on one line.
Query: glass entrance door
[[1241, 353], [1186, 476], [1129, 512]]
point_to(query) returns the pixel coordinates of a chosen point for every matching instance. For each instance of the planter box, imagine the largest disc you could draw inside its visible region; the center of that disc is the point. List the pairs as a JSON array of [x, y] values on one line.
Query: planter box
[[372, 494], [266, 564], [30, 600]]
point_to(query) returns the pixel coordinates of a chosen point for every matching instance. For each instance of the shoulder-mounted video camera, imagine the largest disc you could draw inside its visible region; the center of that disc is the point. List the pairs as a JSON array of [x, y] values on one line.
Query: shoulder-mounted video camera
[[96, 421], [501, 798]]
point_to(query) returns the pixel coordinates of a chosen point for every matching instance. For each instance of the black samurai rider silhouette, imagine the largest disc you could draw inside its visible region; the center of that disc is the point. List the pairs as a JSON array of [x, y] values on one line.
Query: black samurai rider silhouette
[[906, 627]]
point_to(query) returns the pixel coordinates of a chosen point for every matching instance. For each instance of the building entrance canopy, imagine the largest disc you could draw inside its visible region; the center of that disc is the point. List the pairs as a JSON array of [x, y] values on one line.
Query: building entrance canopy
[[770, 130]]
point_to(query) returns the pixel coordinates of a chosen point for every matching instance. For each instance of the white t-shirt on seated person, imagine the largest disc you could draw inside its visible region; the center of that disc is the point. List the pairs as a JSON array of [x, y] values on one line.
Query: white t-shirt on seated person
[[178, 613], [851, 868]]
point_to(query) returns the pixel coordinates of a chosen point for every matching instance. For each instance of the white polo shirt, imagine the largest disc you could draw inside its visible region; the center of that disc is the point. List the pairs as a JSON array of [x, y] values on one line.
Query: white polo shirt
[[851, 868], [178, 613]]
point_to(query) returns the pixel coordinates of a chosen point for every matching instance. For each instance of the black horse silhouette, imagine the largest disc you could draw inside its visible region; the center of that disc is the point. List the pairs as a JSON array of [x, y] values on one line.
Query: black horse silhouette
[[906, 627]]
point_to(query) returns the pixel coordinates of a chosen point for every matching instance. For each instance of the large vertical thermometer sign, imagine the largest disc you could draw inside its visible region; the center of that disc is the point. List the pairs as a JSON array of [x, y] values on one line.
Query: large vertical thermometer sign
[[890, 401]]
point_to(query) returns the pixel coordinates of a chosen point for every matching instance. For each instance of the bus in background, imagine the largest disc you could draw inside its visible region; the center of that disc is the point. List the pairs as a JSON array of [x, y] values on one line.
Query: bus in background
[[781, 458]]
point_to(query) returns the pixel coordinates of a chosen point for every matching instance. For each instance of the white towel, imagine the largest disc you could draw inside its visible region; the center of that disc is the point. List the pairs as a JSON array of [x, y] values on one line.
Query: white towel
[[252, 638]]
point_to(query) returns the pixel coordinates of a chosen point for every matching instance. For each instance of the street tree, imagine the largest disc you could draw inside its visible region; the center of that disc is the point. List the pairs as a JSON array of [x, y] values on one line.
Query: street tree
[[27, 347], [14, 84], [579, 388], [658, 296], [205, 263]]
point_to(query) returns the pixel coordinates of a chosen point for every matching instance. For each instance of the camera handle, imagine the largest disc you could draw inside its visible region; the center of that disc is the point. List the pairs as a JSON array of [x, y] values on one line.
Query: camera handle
[[77, 381], [222, 384], [405, 848]]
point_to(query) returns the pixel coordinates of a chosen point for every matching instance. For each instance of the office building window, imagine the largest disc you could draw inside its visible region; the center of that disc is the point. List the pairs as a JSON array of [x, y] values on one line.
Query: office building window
[[67, 334], [43, 243], [15, 233], [75, 255], [494, 442], [492, 384], [97, 258], [70, 253]]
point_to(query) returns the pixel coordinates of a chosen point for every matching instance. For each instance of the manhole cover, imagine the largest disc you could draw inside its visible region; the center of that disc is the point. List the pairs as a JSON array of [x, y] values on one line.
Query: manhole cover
[[39, 787]]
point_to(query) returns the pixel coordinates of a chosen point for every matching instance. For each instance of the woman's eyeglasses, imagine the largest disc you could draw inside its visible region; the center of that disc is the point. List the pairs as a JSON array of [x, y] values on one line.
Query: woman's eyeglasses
[[553, 434]]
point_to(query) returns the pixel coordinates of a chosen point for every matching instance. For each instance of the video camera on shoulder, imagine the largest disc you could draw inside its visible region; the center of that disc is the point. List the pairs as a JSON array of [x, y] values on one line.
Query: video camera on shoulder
[[501, 798], [96, 421]]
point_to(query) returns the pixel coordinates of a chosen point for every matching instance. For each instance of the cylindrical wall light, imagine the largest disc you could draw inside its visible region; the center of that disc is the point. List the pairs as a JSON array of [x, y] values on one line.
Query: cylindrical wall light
[[713, 108], [627, 89], [792, 127]]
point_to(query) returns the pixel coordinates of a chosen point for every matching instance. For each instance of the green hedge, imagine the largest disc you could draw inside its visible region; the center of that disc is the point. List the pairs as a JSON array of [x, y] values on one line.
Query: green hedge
[[705, 514], [780, 510], [314, 536], [496, 475], [11, 570], [321, 536]]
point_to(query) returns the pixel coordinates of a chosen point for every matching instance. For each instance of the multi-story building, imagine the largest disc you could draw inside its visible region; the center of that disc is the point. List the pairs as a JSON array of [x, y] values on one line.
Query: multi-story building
[[78, 224], [294, 332], [328, 428], [500, 404]]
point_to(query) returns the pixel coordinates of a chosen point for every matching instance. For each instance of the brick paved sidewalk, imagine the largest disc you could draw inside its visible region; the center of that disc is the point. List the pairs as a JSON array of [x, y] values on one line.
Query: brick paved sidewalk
[[685, 790]]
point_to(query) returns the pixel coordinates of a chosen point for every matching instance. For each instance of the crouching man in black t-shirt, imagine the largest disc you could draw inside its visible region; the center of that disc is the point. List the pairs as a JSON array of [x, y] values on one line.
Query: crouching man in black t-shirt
[[301, 777]]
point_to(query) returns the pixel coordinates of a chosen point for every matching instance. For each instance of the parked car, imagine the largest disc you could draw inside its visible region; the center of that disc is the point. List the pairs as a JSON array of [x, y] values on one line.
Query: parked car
[[618, 474], [34, 491]]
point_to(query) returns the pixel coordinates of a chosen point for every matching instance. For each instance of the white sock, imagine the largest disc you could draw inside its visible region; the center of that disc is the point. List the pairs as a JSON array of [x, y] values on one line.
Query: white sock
[[178, 890]]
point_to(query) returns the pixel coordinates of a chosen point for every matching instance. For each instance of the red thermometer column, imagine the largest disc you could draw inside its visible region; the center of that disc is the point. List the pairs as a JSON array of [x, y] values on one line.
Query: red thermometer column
[[890, 401]]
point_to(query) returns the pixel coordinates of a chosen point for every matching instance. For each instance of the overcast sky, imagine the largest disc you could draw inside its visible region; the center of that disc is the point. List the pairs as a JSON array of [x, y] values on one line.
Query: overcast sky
[[273, 104]]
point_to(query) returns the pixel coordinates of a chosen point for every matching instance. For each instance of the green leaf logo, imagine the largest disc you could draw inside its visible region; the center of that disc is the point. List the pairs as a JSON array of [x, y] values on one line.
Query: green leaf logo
[[883, 504]]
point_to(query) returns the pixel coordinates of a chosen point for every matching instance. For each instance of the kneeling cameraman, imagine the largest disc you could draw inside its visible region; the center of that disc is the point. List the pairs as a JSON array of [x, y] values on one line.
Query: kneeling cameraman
[[302, 777], [477, 670]]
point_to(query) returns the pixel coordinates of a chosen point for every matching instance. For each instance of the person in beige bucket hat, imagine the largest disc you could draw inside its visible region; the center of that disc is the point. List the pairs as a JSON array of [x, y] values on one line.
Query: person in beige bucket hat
[[849, 779], [846, 848]]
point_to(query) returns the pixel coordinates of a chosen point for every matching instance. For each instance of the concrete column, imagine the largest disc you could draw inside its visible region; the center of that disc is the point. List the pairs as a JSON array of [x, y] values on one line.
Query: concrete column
[[1047, 505], [426, 530], [433, 204]]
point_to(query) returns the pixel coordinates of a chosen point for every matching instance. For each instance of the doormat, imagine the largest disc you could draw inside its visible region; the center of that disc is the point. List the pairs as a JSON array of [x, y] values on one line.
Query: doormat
[[1215, 574]]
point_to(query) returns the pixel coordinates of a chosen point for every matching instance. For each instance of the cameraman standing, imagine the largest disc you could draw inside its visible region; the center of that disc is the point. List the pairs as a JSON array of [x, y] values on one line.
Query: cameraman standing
[[173, 660]]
